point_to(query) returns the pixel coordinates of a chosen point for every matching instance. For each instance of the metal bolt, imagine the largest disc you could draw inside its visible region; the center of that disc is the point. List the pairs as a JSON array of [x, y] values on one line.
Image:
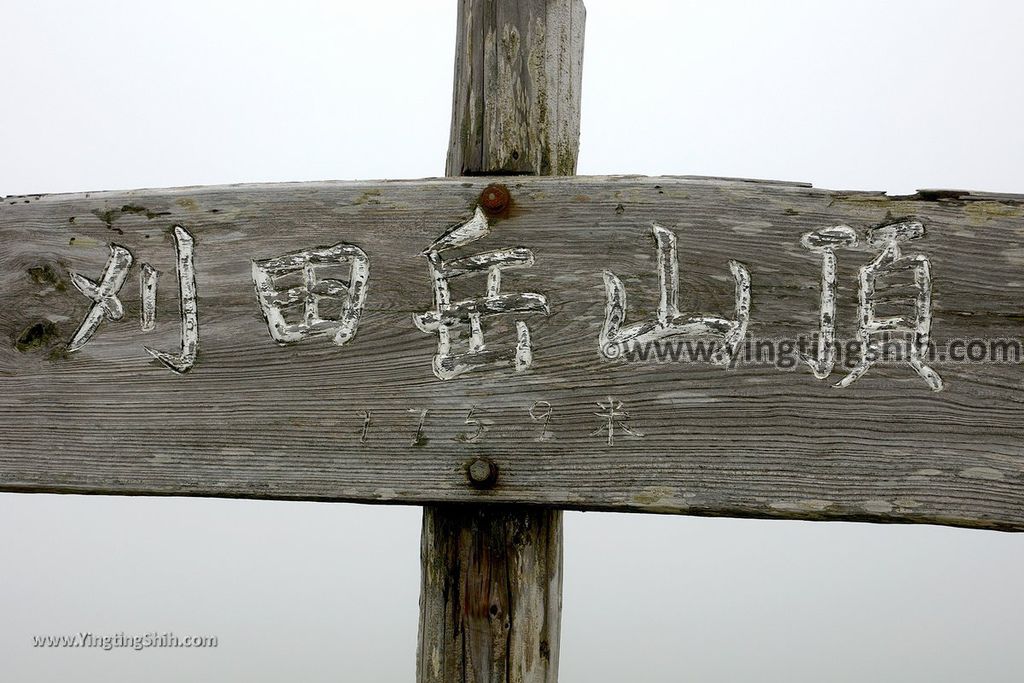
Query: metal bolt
[[495, 198], [482, 473]]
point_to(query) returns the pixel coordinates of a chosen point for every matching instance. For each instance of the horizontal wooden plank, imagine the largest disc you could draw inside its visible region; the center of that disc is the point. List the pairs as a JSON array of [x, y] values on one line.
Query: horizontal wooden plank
[[359, 402]]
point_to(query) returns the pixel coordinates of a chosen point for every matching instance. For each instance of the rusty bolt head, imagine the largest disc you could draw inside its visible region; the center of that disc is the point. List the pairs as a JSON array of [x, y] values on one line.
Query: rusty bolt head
[[495, 198], [482, 473]]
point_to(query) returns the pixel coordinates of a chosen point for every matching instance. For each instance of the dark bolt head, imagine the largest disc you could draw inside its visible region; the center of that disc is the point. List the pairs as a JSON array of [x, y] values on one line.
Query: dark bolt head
[[482, 473], [495, 198]]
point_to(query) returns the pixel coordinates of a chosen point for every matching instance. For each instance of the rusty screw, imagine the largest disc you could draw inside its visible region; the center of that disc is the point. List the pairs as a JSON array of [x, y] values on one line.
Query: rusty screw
[[495, 198], [482, 473]]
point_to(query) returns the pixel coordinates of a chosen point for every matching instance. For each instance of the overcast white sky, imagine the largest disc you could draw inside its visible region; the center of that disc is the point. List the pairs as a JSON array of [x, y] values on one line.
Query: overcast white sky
[[866, 95]]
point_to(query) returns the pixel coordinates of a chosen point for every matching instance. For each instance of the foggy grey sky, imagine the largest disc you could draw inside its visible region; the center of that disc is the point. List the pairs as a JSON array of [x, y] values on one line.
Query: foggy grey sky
[[868, 95]]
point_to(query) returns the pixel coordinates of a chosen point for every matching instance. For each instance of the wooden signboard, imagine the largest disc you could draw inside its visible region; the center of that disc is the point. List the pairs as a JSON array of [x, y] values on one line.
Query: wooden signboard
[[679, 345]]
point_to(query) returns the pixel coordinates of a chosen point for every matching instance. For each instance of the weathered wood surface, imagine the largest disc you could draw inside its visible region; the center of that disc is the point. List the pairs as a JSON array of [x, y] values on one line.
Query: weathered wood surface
[[257, 419], [499, 614], [516, 98], [491, 593]]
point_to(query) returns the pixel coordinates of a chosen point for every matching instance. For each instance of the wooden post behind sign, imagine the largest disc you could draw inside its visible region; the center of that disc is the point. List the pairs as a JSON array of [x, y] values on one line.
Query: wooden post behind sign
[[491, 588]]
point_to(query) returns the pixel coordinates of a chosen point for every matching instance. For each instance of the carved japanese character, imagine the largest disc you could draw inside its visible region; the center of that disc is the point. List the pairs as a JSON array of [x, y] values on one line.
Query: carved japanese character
[[880, 285], [313, 290], [107, 305], [614, 418], [670, 322], [459, 324]]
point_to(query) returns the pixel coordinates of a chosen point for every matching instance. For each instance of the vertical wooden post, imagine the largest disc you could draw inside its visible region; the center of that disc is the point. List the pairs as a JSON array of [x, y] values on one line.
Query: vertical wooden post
[[491, 587], [516, 97]]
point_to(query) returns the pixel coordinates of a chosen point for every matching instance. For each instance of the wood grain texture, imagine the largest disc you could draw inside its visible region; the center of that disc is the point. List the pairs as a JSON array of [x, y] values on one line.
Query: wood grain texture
[[491, 593], [490, 600], [516, 98], [256, 419]]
